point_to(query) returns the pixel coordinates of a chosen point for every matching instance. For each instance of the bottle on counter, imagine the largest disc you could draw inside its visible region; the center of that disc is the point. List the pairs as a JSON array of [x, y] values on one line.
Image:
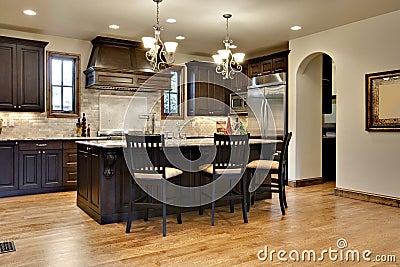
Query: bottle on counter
[[78, 127], [83, 126], [88, 130], [236, 126], [228, 126]]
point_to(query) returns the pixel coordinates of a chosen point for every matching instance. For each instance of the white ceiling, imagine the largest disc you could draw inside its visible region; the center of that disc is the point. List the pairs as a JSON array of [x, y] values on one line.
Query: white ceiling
[[256, 25]]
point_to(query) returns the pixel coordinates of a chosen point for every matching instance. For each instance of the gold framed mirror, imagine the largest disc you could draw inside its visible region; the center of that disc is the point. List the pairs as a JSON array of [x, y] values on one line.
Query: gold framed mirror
[[383, 101]]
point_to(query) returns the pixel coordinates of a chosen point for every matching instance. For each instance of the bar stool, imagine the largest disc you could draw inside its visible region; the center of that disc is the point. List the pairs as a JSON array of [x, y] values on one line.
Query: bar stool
[[272, 167], [232, 152], [146, 163]]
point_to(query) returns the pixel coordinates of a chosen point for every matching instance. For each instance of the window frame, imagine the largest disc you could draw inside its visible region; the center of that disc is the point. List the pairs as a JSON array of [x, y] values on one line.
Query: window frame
[[181, 91], [76, 83]]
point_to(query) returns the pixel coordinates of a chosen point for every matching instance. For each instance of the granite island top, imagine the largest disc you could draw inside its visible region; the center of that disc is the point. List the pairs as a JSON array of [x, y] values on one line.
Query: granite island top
[[169, 142], [65, 138]]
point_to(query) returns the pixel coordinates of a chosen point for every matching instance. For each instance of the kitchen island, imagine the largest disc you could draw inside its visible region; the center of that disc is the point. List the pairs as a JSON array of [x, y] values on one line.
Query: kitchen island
[[104, 180]]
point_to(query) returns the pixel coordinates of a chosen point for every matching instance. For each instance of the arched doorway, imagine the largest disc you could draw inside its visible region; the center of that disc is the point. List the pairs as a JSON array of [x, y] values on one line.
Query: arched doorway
[[310, 122]]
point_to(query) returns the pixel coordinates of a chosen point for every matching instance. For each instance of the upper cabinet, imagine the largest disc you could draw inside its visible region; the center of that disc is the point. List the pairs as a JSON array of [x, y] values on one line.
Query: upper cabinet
[[22, 74], [208, 93], [274, 63]]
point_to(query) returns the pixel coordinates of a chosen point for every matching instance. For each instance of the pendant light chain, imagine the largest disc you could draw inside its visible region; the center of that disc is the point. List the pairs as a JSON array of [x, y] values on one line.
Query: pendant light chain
[[227, 29], [158, 15]]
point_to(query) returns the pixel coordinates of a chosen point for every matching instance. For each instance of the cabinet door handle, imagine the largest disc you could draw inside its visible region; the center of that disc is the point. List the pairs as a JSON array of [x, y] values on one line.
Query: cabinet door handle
[[39, 152], [88, 148], [41, 145], [19, 106], [44, 152], [15, 106]]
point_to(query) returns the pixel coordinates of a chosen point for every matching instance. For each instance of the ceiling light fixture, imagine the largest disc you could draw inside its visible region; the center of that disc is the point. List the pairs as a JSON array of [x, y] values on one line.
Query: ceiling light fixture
[[113, 26], [170, 20], [295, 28], [29, 12], [228, 63], [159, 54], [180, 37]]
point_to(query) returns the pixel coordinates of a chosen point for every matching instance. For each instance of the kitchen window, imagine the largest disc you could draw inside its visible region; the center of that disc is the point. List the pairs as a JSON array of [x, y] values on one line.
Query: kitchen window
[[62, 84], [172, 99]]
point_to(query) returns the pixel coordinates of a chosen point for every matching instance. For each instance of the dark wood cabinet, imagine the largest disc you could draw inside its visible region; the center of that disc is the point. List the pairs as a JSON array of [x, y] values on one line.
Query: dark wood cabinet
[[208, 93], [89, 177], [254, 69], [22, 88], [270, 64], [40, 165], [8, 74], [70, 171], [280, 64], [29, 169], [8, 165], [51, 172], [43, 166]]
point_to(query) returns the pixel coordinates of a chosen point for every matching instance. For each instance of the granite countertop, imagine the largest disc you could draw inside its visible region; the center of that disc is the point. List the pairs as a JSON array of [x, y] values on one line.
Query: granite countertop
[[66, 138], [168, 143]]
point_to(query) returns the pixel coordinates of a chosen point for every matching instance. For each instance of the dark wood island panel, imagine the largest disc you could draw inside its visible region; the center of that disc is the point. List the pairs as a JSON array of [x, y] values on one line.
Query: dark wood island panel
[[104, 179]]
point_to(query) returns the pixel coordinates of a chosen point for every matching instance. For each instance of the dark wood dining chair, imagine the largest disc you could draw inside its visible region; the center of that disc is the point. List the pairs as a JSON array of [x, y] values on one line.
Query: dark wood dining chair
[[268, 168], [229, 164], [147, 165]]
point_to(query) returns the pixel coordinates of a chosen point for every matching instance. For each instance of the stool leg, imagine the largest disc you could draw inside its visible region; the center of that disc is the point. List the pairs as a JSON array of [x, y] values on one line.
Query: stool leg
[[129, 221], [244, 204], [213, 205], [178, 215], [284, 197], [281, 201], [164, 226], [164, 208]]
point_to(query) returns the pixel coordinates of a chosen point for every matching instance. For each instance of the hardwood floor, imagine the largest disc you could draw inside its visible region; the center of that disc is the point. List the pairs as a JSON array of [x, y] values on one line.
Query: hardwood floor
[[50, 230]]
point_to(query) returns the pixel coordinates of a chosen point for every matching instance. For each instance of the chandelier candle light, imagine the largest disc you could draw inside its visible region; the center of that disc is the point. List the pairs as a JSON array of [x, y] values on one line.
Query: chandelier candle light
[[159, 54], [228, 63]]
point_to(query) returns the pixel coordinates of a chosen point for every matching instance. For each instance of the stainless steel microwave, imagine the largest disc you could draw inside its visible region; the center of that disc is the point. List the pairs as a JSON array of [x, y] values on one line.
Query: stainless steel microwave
[[238, 102]]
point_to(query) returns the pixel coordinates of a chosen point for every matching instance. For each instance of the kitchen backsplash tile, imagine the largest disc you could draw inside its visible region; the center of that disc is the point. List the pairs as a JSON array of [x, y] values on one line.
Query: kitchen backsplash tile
[[37, 125]]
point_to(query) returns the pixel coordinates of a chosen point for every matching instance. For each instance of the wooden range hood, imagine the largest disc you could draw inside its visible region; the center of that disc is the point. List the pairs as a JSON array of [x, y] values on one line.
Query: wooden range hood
[[117, 64]]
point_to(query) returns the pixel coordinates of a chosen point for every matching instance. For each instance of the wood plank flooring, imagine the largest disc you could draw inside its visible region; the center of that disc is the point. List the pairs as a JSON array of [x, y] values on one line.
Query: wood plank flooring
[[50, 230]]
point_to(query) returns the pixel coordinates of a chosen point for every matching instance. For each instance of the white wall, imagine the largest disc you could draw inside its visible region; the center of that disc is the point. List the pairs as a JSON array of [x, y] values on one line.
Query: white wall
[[366, 161], [308, 123]]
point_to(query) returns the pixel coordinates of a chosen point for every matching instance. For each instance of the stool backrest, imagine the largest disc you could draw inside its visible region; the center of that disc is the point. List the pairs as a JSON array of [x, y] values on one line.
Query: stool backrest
[[284, 153], [232, 151], [145, 153]]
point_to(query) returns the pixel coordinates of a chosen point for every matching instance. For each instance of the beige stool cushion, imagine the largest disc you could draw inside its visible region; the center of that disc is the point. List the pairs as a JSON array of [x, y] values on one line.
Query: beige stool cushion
[[210, 169], [169, 173], [263, 164]]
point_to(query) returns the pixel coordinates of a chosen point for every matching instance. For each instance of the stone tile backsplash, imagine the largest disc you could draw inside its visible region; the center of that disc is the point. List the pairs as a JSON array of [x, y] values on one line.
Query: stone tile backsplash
[[38, 125]]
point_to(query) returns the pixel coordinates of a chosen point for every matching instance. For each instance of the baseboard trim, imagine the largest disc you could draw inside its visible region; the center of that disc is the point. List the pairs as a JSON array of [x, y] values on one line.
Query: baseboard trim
[[374, 198], [305, 182]]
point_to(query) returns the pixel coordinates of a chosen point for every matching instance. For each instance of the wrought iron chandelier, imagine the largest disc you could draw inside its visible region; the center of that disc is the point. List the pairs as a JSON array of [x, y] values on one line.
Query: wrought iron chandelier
[[227, 62], [159, 54]]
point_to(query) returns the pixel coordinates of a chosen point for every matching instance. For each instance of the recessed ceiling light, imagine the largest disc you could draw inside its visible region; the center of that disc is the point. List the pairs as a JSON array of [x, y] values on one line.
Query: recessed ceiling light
[[113, 26], [170, 20], [180, 37], [295, 28], [29, 12]]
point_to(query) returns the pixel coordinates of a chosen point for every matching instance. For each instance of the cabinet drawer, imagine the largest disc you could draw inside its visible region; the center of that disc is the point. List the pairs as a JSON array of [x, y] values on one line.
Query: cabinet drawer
[[70, 155], [40, 145]]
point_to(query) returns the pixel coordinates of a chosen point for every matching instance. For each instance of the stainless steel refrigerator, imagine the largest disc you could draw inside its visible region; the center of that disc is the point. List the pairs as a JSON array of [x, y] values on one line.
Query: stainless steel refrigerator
[[266, 102]]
